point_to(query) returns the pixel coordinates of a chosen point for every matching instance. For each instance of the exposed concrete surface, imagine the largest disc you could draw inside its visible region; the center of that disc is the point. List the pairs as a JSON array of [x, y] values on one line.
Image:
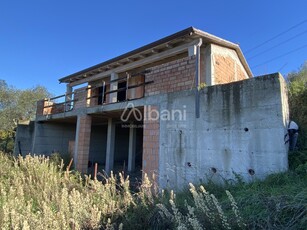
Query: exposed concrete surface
[[241, 129], [52, 137], [23, 139], [98, 144], [110, 146]]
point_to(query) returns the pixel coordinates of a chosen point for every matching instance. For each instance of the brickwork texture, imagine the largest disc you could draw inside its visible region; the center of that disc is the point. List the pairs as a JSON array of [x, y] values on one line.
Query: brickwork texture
[[151, 144], [171, 77]]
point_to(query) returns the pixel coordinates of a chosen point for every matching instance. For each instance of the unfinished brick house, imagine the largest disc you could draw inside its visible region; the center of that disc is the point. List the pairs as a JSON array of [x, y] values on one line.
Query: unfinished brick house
[[185, 107]]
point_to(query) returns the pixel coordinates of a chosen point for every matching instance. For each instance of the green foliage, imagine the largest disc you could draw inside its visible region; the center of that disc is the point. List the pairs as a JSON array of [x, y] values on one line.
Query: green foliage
[[60, 159], [298, 102], [202, 86], [297, 158], [16, 105]]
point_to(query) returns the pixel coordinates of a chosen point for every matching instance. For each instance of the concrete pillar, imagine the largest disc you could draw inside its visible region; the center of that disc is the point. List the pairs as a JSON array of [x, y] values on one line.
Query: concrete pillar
[[209, 68], [202, 65], [132, 144], [192, 50], [82, 142], [110, 146], [113, 86], [88, 95], [68, 97], [35, 133]]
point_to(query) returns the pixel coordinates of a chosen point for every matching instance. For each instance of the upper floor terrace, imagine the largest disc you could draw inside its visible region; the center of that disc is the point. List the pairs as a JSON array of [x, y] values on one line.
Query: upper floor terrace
[[182, 61]]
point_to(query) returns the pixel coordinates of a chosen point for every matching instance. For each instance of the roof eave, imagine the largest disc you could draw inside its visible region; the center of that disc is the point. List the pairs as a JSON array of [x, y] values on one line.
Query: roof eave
[[228, 44], [186, 32]]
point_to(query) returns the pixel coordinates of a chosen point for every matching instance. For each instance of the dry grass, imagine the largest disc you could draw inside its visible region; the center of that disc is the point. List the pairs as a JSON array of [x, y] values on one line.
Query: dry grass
[[35, 193]]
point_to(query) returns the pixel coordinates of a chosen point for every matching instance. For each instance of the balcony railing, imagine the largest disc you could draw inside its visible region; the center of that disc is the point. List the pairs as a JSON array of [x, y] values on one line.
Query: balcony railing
[[127, 88]]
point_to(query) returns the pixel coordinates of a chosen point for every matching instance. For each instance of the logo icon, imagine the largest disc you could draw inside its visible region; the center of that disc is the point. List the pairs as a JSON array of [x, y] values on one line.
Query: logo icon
[[129, 111]]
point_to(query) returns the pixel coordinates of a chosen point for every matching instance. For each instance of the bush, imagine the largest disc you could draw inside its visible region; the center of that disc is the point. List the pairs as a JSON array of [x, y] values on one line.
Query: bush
[[298, 102], [35, 193], [297, 158]]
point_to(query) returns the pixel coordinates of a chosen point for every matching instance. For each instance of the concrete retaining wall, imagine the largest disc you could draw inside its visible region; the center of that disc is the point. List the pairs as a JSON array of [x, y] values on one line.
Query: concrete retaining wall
[[240, 130], [23, 139], [52, 137]]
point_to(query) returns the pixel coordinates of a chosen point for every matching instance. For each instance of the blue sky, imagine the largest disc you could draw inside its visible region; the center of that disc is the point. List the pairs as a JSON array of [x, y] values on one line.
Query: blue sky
[[42, 41]]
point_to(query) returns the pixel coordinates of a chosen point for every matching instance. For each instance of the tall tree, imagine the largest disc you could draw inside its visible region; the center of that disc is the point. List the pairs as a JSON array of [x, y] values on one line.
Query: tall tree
[[298, 101], [16, 105]]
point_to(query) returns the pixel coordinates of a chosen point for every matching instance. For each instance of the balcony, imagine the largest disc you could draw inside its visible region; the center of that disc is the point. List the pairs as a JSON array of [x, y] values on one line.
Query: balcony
[[97, 94]]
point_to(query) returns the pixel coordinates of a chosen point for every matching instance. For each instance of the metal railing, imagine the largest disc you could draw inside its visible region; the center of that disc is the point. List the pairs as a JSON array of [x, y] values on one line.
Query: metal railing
[[50, 106]]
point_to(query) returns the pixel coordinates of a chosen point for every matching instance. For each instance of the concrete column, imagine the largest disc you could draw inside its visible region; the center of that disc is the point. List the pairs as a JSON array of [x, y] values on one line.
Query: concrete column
[[68, 97], [192, 50], [35, 132], [132, 144], [110, 146], [209, 68], [202, 65], [82, 142], [113, 86], [88, 95]]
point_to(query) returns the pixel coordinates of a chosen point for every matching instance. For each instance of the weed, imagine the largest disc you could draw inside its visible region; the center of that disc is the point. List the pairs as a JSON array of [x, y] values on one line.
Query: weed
[[40, 193]]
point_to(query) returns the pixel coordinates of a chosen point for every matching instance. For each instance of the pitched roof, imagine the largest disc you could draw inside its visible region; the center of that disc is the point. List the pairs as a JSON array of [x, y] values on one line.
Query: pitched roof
[[160, 45]]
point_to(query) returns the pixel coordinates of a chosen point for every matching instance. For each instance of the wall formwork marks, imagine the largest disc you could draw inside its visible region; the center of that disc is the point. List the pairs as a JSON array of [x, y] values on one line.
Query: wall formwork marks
[[241, 129]]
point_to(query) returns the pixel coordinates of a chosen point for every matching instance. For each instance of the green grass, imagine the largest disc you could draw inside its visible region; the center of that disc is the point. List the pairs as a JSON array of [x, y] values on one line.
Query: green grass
[[276, 203], [35, 193]]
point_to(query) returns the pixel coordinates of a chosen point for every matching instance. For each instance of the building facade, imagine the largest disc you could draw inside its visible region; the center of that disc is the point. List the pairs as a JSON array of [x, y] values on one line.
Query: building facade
[[185, 107]]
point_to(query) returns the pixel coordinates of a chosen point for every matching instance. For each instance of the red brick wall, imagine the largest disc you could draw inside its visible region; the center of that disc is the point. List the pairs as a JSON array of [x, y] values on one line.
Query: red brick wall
[[137, 92], [52, 108], [80, 97], [151, 143], [240, 74], [57, 108], [171, 77], [224, 69], [93, 93], [83, 148]]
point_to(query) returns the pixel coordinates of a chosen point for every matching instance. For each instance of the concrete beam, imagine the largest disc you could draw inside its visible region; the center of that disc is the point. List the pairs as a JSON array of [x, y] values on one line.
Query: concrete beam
[[132, 144], [139, 63], [110, 146]]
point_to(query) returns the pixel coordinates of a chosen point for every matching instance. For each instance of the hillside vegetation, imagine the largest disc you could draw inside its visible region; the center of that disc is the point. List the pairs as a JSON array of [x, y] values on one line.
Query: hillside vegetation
[[36, 193], [39, 193], [16, 105]]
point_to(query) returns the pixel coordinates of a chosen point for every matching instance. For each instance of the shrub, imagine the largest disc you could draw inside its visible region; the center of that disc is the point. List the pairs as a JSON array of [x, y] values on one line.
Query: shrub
[[35, 193]]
